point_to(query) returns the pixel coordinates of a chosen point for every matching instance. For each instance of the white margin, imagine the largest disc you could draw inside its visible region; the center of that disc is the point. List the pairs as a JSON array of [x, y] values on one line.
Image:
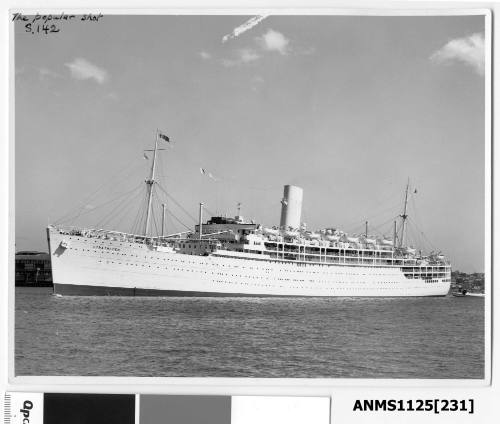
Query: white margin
[[228, 386]]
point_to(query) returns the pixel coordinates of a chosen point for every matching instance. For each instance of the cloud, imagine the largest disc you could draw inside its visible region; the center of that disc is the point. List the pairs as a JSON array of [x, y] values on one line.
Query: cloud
[[205, 55], [46, 73], [243, 56], [82, 69], [274, 41], [468, 50], [244, 27], [269, 42]]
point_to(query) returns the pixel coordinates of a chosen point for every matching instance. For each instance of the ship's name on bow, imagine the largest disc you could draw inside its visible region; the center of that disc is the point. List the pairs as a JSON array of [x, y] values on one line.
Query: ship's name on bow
[[115, 249]]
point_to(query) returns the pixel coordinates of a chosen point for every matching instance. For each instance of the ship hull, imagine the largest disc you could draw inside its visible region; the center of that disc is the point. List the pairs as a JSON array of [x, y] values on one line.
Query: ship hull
[[83, 290], [84, 266]]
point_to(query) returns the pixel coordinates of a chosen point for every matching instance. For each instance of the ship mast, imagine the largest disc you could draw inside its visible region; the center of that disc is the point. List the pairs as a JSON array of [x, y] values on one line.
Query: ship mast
[[149, 183], [404, 216], [163, 219]]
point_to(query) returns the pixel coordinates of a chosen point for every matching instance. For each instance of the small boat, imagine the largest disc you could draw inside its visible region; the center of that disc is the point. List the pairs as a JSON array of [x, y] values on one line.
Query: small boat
[[460, 293], [333, 238], [271, 231]]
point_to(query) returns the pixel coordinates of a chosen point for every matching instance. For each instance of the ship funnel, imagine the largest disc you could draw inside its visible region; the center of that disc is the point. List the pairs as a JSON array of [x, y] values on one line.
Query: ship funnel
[[291, 207]]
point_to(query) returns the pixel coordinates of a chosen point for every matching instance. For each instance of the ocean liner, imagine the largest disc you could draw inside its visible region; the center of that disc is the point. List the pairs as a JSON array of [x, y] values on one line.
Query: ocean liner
[[236, 257]]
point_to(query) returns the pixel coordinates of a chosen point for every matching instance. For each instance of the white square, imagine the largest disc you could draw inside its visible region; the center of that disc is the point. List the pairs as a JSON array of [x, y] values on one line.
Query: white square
[[280, 410]]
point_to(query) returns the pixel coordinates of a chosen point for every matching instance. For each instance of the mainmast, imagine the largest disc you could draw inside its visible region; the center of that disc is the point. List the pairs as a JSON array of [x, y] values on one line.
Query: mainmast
[[404, 216], [149, 183]]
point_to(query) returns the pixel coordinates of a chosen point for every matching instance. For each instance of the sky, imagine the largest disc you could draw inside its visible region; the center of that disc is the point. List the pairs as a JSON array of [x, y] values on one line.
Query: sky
[[347, 107]]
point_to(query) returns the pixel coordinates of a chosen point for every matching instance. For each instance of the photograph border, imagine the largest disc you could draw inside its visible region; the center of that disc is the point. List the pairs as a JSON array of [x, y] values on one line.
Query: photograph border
[[251, 384]]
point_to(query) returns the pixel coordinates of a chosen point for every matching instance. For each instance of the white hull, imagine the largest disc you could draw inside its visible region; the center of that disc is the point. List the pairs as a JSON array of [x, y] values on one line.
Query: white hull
[[94, 266]]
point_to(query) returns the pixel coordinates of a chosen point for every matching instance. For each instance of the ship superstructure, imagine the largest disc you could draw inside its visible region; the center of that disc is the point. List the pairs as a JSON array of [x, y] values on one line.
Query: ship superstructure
[[236, 257]]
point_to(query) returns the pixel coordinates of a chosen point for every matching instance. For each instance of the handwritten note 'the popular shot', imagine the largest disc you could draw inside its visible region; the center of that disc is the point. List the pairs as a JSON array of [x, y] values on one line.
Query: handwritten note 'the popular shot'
[[51, 23]]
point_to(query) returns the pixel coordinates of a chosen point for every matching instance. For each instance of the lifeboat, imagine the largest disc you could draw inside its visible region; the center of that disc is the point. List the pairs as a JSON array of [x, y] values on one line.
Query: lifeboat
[[333, 238], [353, 239], [314, 236], [386, 242], [271, 231]]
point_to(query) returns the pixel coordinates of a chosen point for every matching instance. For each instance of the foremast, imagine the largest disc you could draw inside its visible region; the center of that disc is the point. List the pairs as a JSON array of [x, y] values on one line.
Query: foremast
[[151, 180], [404, 217]]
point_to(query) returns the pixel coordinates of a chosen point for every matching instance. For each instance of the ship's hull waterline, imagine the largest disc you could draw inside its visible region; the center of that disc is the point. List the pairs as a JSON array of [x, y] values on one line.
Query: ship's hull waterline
[[100, 266]]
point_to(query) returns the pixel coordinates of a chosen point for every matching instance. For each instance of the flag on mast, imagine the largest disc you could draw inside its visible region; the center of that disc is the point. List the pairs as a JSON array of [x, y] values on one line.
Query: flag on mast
[[163, 137], [203, 171]]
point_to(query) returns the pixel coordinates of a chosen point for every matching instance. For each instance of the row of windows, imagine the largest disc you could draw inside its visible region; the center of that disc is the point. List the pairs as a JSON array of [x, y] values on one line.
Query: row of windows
[[315, 264], [355, 260], [252, 277], [283, 267], [33, 261], [350, 288], [269, 270]]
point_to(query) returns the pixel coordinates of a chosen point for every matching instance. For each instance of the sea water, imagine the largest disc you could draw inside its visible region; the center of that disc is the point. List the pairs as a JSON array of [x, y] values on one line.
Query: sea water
[[432, 338]]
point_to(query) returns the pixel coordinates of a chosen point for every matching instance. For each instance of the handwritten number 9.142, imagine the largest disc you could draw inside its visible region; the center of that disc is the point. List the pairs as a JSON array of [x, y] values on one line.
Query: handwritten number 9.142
[[46, 29]]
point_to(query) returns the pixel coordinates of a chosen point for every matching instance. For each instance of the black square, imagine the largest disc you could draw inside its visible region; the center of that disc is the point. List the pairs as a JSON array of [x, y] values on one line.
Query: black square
[[74, 408]]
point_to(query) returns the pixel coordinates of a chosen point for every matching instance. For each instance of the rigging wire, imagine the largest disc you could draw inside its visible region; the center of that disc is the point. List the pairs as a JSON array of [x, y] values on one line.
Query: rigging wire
[[109, 182], [177, 203], [425, 237], [157, 198], [107, 218], [178, 220], [125, 211], [98, 207], [379, 227], [141, 211], [154, 214], [134, 225], [209, 211], [372, 216]]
